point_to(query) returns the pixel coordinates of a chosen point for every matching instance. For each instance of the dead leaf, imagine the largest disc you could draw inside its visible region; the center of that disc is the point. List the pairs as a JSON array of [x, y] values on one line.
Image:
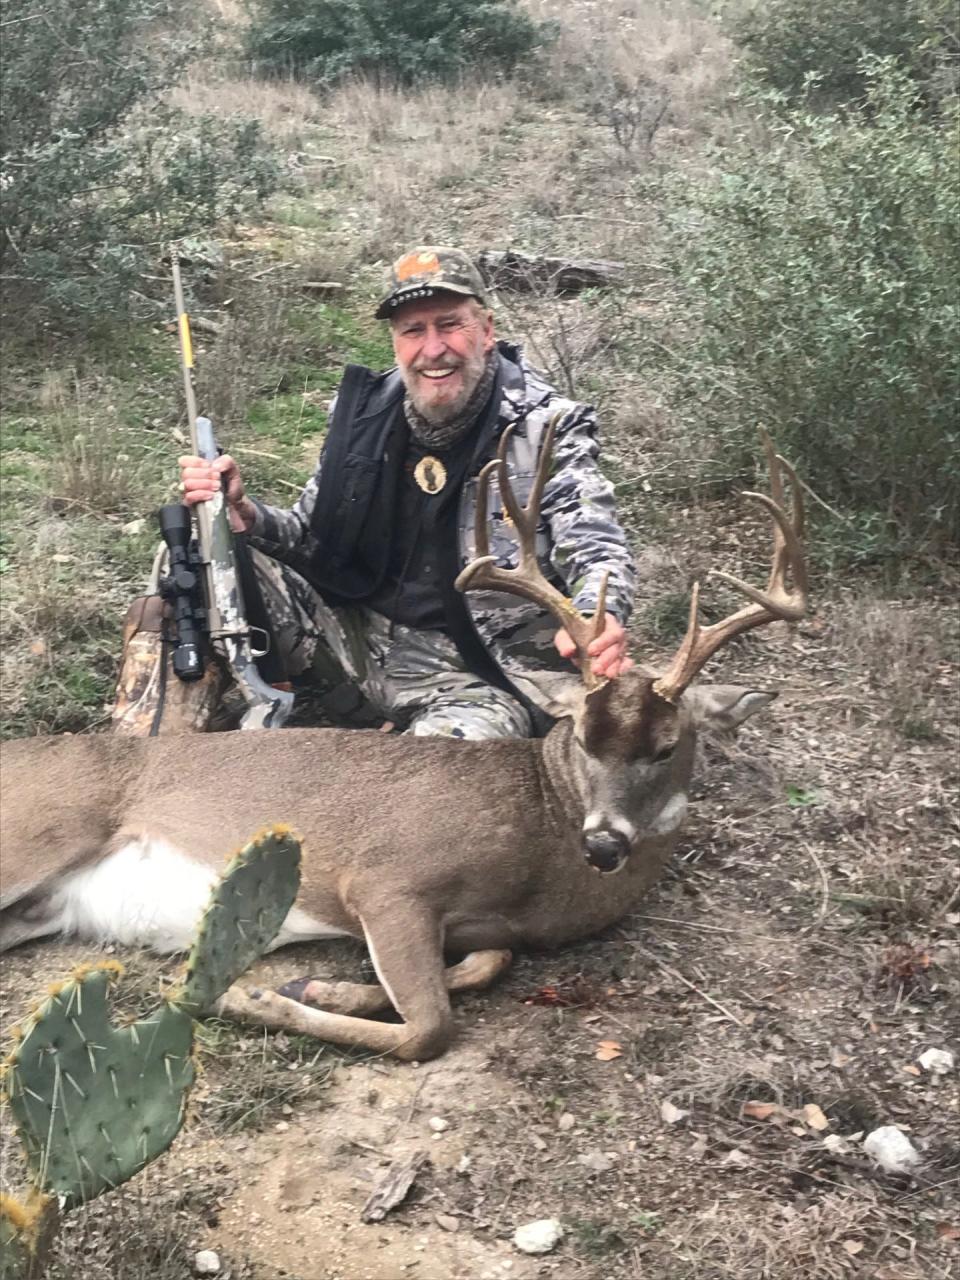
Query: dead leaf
[[815, 1117], [762, 1110], [392, 1188], [736, 1157], [670, 1114], [838, 1059], [607, 1050], [597, 1161], [911, 1070], [38, 648], [853, 1247], [946, 1231]]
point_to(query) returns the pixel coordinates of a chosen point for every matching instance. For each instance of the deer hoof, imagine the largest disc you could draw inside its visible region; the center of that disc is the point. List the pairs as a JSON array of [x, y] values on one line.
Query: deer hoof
[[297, 990]]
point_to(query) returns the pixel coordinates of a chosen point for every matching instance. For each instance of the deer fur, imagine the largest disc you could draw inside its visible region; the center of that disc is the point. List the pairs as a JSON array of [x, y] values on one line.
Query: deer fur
[[419, 846]]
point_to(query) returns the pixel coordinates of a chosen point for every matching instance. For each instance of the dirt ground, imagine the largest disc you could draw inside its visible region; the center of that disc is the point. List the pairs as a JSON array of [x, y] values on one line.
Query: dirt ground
[[800, 952]]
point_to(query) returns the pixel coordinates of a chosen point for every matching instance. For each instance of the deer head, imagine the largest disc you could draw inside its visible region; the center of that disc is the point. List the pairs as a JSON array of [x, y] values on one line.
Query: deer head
[[627, 747]]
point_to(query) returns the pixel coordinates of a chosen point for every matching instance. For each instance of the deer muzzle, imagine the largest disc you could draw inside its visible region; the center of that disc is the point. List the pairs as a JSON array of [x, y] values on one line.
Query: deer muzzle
[[606, 849]]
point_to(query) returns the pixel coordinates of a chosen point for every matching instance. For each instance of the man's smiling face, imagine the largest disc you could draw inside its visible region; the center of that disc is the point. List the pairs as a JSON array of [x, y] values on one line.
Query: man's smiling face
[[441, 345]]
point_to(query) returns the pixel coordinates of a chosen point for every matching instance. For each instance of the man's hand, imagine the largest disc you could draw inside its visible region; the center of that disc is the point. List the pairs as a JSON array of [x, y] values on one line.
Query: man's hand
[[200, 480], [608, 653]]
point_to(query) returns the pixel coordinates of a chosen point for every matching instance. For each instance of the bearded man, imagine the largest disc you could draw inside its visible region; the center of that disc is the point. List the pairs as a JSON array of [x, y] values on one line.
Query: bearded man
[[357, 578]]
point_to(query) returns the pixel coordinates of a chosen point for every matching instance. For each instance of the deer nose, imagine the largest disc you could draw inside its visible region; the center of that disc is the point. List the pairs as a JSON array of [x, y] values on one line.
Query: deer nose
[[606, 849]]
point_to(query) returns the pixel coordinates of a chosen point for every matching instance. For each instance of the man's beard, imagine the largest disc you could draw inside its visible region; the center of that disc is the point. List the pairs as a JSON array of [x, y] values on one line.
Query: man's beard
[[472, 369]]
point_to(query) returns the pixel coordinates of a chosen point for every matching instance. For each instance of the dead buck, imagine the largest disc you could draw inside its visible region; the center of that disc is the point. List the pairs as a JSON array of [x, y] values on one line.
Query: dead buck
[[419, 846]]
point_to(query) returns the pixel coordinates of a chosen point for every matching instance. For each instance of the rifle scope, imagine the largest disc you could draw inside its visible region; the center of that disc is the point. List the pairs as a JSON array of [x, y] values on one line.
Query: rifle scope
[[182, 588]]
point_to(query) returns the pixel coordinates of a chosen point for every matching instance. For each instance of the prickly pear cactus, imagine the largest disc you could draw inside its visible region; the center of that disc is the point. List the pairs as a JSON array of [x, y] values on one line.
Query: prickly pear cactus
[[246, 911], [94, 1103], [26, 1233]]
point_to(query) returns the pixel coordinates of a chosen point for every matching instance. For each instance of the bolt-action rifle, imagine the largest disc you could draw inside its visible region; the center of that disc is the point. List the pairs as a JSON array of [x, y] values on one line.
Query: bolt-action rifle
[[203, 584]]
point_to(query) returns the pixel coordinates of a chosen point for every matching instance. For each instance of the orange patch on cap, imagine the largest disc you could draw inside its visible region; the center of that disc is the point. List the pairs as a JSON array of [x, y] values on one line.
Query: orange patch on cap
[[416, 264]]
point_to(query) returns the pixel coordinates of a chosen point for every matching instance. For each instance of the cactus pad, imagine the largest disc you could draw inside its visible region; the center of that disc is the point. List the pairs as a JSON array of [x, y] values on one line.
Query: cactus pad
[[246, 910], [94, 1103], [27, 1231]]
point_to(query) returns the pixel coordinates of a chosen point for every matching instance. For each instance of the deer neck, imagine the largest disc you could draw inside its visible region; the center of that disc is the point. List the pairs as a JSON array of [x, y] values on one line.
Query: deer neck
[[563, 781]]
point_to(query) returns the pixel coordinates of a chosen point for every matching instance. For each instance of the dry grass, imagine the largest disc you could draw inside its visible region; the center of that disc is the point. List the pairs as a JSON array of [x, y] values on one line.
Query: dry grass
[[763, 1238], [254, 349], [640, 56], [408, 151], [286, 109], [908, 654]]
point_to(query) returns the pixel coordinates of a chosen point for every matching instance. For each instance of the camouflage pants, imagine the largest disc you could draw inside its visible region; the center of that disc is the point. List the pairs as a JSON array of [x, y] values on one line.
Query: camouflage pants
[[415, 678]]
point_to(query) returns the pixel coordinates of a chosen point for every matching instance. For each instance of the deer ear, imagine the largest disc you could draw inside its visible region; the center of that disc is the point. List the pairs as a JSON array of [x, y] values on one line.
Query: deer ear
[[724, 706]]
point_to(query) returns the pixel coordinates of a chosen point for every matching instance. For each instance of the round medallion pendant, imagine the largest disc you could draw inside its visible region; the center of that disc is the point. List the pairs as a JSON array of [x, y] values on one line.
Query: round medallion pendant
[[430, 474]]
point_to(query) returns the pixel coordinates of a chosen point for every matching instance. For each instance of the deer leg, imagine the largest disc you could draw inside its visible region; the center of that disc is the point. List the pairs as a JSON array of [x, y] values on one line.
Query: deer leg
[[406, 951], [476, 970]]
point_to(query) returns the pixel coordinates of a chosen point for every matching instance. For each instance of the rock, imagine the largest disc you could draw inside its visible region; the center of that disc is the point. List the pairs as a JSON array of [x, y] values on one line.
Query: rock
[[538, 1237], [891, 1149], [132, 526], [438, 1124], [206, 1263], [447, 1221], [939, 1062]]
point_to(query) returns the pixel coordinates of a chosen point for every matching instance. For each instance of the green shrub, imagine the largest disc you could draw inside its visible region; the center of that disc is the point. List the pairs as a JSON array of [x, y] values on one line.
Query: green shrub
[[817, 297], [96, 170], [788, 41], [398, 43]]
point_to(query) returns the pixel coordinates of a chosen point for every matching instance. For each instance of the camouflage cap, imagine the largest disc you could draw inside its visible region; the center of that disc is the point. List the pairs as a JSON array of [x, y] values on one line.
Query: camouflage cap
[[427, 271]]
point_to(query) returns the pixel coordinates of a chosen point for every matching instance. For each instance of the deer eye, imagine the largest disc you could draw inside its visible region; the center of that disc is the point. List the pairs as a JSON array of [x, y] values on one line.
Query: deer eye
[[664, 754]]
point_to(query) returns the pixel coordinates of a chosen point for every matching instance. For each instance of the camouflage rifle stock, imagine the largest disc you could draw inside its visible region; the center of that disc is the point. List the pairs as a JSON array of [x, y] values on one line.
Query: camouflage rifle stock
[[226, 620]]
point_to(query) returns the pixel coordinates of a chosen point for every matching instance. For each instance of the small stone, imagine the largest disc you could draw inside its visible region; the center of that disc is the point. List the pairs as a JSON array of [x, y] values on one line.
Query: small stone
[[447, 1221], [463, 1166], [541, 1236], [206, 1263], [281, 1126], [438, 1124], [133, 526], [891, 1149], [939, 1062], [566, 1122], [286, 1109]]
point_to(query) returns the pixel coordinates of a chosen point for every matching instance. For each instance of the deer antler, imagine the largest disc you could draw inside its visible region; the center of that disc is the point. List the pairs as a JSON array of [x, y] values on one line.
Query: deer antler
[[778, 601], [527, 580]]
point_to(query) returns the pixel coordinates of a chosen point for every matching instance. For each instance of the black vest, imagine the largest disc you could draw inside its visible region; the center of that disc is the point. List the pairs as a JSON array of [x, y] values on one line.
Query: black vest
[[356, 505]]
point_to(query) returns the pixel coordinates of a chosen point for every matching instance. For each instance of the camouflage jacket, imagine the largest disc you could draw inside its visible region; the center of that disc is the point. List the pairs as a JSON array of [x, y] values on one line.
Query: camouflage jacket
[[578, 537]]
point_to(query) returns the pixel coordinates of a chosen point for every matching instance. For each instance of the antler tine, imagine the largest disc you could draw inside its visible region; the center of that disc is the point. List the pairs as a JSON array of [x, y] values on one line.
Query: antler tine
[[527, 580], [776, 602]]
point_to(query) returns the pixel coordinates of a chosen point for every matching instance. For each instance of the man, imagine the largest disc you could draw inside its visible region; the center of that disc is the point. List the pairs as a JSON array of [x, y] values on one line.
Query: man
[[357, 578]]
